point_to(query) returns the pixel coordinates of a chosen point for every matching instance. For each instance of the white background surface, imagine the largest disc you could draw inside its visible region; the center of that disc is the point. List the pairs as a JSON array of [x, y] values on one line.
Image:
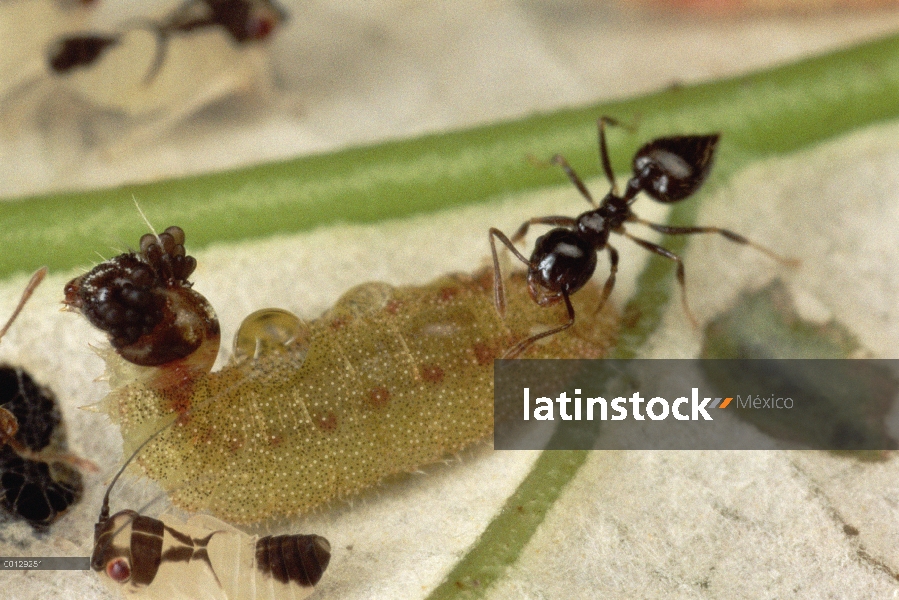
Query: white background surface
[[654, 525]]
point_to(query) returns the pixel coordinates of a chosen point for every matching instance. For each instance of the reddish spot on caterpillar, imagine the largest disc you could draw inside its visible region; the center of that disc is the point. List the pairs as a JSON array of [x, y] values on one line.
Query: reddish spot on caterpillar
[[339, 323], [392, 307], [432, 373], [321, 388], [327, 422], [448, 293], [378, 397], [484, 353]]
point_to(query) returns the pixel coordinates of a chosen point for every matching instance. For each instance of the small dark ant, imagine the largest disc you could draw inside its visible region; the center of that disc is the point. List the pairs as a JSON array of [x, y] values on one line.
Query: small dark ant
[[244, 20], [668, 169]]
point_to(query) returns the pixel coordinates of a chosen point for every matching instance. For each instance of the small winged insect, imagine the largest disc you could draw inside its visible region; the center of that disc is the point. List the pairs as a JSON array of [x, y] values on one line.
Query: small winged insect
[[201, 558], [26, 27], [387, 380], [38, 476], [244, 21], [668, 169]]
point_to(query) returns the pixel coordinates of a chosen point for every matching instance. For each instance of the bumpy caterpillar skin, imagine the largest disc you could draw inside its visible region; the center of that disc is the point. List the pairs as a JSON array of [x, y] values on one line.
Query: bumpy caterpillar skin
[[388, 380]]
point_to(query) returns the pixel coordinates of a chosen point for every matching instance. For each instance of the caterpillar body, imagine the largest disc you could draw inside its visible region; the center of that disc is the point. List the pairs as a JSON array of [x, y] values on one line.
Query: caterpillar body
[[388, 380]]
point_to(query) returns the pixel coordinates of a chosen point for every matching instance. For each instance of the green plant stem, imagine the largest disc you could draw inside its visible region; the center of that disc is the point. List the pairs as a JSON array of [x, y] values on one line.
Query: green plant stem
[[774, 111]]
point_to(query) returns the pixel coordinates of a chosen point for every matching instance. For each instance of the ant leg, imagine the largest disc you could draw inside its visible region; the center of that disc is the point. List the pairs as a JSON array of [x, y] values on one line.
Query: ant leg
[[557, 221], [499, 295], [610, 281], [604, 150], [734, 237], [35, 281], [681, 276], [520, 347], [560, 160], [162, 43]]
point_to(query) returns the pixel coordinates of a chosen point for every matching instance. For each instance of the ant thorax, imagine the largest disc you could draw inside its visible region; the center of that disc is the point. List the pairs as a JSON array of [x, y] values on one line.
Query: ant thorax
[[306, 413]]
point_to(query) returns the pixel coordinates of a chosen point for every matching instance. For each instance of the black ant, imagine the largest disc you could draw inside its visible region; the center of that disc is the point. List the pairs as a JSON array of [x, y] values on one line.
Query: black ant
[[668, 169], [244, 20]]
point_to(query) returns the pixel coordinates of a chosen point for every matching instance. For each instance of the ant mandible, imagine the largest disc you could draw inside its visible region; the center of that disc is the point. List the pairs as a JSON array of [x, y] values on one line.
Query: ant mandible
[[668, 169]]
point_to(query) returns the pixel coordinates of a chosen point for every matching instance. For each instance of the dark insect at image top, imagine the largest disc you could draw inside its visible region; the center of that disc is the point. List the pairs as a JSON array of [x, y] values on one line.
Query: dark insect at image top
[[244, 20], [668, 169], [169, 559]]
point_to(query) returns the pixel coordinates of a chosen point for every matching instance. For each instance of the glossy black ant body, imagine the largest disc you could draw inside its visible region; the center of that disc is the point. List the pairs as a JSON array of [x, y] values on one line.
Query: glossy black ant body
[[244, 20], [668, 169]]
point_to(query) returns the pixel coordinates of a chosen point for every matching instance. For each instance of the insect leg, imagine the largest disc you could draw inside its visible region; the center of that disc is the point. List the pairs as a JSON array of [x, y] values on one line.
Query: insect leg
[[560, 160], [604, 150], [610, 281], [557, 221], [35, 281], [732, 236], [681, 276], [520, 347], [499, 295]]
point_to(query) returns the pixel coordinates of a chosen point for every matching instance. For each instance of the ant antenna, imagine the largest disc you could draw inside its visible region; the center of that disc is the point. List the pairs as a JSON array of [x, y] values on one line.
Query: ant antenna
[[35, 281]]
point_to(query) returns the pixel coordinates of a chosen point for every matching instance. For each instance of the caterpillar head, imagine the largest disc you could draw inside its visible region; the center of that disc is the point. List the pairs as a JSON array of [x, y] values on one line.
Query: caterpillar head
[[145, 303]]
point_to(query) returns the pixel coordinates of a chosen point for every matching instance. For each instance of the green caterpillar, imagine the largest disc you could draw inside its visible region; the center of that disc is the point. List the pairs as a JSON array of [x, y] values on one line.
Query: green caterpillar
[[386, 381]]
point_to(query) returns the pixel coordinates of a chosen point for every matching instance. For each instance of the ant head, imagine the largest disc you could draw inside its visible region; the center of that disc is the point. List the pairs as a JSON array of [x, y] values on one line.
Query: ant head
[[146, 305], [672, 168], [563, 261], [111, 557]]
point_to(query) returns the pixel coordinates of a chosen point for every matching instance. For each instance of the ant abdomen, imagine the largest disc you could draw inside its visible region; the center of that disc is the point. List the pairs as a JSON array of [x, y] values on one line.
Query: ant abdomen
[[671, 169], [144, 302], [78, 51]]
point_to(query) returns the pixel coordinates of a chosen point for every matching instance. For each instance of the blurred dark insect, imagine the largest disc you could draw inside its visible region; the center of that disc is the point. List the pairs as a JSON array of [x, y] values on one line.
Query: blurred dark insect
[[38, 481], [244, 20]]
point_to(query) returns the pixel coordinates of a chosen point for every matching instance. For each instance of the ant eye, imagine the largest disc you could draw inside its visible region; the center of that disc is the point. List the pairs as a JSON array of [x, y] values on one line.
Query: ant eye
[[259, 28], [118, 570], [673, 168]]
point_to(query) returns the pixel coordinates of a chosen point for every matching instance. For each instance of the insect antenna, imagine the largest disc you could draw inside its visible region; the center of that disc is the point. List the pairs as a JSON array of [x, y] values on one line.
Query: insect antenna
[[104, 508], [35, 281]]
